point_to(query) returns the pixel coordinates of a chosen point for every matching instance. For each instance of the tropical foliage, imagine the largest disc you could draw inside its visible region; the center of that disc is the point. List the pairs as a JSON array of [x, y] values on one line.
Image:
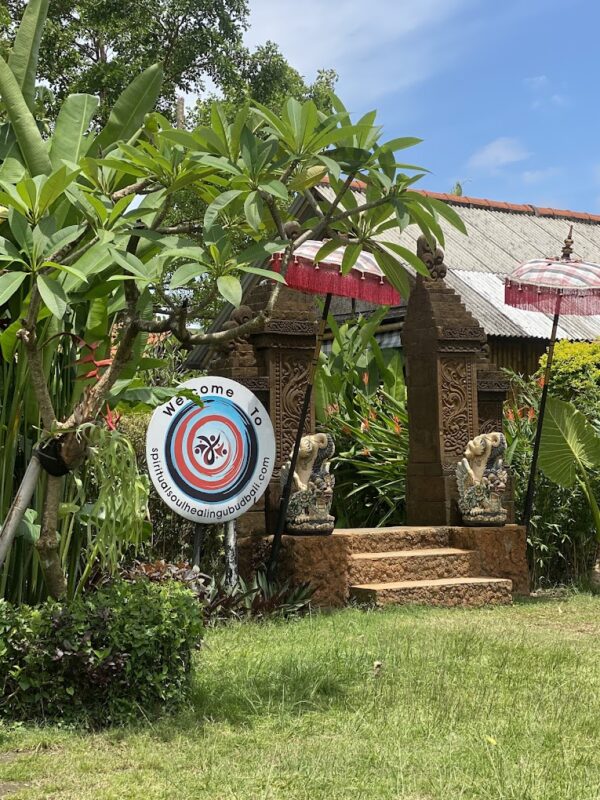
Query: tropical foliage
[[562, 534], [361, 401]]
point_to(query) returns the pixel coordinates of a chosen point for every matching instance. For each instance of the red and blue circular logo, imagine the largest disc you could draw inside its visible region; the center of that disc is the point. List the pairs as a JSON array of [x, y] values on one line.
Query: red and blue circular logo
[[211, 459]]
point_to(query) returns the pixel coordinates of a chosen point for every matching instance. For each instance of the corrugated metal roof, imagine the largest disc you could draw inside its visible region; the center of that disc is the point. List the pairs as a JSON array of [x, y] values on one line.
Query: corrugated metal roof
[[498, 240]]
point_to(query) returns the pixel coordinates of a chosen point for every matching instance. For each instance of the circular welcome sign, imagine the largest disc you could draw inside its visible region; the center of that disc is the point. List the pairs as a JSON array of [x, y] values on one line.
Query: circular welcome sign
[[211, 462]]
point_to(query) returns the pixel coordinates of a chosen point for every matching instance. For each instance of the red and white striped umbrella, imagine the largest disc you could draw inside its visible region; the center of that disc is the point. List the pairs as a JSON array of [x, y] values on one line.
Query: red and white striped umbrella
[[566, 284], [536, 285], [365, 281]]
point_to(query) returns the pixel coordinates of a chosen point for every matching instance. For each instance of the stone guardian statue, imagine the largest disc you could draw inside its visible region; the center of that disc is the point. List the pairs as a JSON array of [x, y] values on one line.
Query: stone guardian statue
[[482, 477], [309, 509]]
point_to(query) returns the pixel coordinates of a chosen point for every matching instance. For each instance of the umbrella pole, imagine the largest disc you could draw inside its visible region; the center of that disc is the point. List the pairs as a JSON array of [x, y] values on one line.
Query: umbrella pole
[[287, 489], [540, 422]]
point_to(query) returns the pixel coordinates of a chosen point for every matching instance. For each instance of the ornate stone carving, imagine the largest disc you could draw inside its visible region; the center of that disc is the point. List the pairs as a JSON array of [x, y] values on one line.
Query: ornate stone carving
[[289, 386], [473, 332], [434, 261], [312, 490], [481, 477], [293, 326], [456, 409]]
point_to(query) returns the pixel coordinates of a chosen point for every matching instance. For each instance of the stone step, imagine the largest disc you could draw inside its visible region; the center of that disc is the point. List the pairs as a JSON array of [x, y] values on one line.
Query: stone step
[[442, 592], [414, 565], [379, 540]]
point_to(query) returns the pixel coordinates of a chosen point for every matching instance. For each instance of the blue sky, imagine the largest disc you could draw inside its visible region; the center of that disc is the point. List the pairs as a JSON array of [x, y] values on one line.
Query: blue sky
[[504, 93]]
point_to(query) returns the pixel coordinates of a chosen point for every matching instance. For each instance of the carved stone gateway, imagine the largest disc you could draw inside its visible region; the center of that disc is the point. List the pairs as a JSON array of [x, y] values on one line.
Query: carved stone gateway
[[453, 393], [274, 365]]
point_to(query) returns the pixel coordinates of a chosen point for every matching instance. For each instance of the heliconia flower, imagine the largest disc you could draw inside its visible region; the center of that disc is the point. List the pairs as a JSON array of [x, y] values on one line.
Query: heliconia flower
[[541, 381], [531, 413], [364, 425], [365, 378], [366, 452], [332, 408], [346, 430], [111, 418], [372, 414], [520, 412], [397, 428], [510, 415]]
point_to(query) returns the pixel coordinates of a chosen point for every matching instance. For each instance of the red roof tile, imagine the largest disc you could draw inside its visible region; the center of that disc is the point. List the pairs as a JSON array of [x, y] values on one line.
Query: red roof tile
[[498, 205]]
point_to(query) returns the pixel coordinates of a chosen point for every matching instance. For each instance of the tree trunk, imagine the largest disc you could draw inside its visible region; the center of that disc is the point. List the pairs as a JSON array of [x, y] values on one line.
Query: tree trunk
[[19, 506], [47, 544]]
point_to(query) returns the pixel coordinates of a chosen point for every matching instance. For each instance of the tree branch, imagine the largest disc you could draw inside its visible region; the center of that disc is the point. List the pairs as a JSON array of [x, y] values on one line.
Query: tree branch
[[133, 188]]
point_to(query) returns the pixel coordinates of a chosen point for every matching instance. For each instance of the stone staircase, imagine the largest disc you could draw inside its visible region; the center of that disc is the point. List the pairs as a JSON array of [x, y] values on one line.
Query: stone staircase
[[418, 565]]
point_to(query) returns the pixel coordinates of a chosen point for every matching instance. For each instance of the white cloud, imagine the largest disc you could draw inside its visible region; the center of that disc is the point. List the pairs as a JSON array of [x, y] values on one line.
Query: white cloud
[[537, 82], [498, 153], [544, 93], [376, 47], [533, 176]]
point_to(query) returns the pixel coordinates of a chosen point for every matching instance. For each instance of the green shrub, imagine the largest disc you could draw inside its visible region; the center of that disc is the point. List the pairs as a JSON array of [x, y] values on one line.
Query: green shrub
[[576, 375], [114, 654], [561, 541], [257, 598]]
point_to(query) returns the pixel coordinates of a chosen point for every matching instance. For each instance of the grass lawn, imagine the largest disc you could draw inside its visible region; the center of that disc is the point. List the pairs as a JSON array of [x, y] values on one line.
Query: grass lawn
[[501, 703]]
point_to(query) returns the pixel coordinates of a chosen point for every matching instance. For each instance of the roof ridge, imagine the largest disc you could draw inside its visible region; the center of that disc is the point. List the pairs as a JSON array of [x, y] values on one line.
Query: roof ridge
[[496, 205]]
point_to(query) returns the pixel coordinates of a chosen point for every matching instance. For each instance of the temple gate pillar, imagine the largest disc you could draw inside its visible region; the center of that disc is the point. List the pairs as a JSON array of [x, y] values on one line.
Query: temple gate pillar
[[273, 364], [442, 343]]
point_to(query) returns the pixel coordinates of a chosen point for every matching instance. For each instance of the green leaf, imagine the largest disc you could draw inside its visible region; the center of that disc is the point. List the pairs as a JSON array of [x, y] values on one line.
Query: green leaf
[[408, 256], [253, 209], [9, 283], [9, 341], [351, 254], [185, 273], [63, 268], [265, 273], [97, 318], [69, 142], [569, 446], [21, 230], [53, 187], [395, 273], [449, 214], [31, 144], [327, 249], [275, 188], [25, 50], [53, 295], [399, 144], [218, 204], [129, 262], [130, 109], [231, 289]]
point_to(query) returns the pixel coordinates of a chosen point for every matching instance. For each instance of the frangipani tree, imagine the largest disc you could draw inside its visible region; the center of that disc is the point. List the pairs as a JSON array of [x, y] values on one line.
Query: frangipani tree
[[85, 249]]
